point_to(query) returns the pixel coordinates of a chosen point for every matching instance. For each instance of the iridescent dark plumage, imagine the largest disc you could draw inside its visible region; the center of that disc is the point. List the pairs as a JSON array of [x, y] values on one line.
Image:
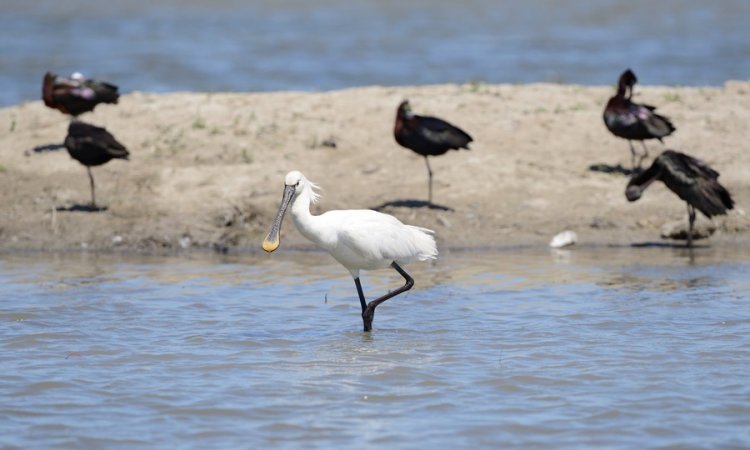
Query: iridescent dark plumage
[[92, 146], [427, 136], [76, 95], [688, 177], [633, 121]]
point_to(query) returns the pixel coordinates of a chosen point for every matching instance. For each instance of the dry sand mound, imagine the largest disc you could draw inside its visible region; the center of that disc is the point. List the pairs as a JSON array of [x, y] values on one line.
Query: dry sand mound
[[206, 170]]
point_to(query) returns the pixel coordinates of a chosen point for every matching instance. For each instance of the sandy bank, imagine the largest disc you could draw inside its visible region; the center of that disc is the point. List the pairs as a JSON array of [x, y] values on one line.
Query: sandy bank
[[206, 170]]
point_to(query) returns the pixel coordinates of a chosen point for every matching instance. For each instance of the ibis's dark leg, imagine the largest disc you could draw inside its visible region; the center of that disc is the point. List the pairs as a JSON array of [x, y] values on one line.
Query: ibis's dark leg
[[691, 221], [368, 312], [91, 180], [429, 174], [645, 154], [632, 155]]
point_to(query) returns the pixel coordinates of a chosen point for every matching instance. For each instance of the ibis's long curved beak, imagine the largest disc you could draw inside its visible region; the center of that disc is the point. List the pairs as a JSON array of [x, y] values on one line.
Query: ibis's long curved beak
[[273, 239]]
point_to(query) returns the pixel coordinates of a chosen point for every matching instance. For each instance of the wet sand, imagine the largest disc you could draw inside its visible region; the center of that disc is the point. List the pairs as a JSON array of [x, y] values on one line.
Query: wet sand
[[206, 170]]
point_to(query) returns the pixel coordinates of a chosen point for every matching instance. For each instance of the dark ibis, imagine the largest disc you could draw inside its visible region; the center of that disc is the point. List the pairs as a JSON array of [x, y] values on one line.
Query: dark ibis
[[634, 121], [427, 136], [688, 177], [77, 94], [92, 146]]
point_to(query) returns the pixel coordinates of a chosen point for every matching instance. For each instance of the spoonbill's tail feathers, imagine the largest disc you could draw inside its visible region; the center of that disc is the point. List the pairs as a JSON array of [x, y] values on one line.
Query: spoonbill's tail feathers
[[424, 242]]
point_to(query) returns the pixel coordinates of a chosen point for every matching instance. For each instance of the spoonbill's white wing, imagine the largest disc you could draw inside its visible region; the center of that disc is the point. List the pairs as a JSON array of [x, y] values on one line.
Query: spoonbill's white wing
[[368, 239]]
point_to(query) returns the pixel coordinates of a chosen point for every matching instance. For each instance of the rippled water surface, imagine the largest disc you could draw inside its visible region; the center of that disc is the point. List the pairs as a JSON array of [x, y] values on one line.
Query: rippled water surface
[[241, 45], [598, 348]]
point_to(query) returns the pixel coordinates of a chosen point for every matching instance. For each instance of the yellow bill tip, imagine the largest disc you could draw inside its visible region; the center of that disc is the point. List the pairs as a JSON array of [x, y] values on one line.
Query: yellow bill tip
[[270, 246]]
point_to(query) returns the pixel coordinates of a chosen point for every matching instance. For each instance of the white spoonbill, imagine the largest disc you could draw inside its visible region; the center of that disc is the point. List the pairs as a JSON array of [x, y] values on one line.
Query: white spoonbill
[[359, 239]]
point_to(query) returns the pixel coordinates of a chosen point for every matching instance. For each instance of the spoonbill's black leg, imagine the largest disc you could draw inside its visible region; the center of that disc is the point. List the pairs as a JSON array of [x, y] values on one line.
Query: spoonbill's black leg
[[368, 312], [361, 295], [429, 174]]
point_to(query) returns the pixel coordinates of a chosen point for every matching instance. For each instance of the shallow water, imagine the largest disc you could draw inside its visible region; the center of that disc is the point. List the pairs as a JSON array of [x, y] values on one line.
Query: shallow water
[[598, 347], [239, 45]]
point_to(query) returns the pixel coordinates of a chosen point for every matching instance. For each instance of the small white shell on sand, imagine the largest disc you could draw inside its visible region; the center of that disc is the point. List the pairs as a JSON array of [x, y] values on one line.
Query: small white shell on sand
[[564, 239]]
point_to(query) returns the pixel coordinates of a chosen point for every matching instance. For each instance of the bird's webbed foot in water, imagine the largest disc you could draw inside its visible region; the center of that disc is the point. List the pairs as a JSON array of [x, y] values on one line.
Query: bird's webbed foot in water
[[367, 317], [368, 312]]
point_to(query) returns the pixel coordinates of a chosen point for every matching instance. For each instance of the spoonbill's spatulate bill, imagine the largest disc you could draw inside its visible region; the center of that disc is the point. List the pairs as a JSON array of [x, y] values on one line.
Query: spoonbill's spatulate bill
[[77, 94], [633, 121], [427, 136], [92, 146], [691, 179], [359, 239]]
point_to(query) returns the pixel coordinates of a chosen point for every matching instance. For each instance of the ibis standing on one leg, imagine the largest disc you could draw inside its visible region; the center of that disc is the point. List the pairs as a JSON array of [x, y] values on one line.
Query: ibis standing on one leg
[[691, 179], [359, 239], [633, 121], [92, 146], [427, 136]]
